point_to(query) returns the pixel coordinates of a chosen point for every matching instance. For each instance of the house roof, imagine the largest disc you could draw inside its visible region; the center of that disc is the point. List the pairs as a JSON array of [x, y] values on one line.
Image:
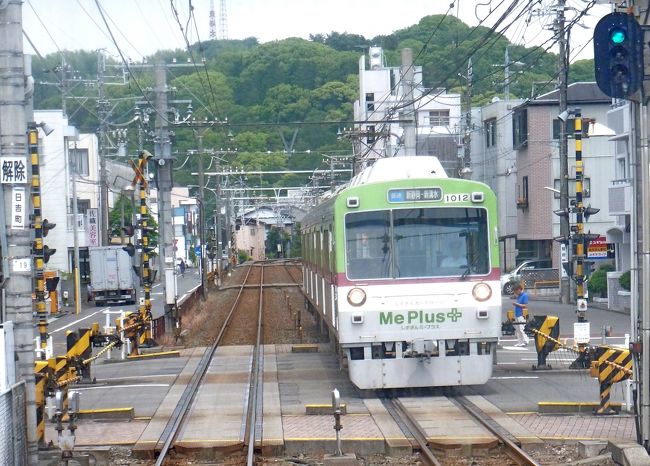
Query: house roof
[[583, 92]]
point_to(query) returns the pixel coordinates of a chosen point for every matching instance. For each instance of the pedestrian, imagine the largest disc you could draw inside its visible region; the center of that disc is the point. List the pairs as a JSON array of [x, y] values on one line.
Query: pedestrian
[[521, 305], [181, 266], [90, 292]]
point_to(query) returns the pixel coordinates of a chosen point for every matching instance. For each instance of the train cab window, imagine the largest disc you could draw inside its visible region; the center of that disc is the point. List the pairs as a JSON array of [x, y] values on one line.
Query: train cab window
[[417, 243], [356, 353], [368, 245]]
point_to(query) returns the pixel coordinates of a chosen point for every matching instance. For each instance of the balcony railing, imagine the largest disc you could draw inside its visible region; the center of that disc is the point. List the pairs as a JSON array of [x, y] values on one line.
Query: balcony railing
[[620, 197]]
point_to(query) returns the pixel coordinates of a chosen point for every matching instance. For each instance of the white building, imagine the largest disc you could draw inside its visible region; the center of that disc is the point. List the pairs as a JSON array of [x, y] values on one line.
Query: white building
[[382, 90], [63, 153]]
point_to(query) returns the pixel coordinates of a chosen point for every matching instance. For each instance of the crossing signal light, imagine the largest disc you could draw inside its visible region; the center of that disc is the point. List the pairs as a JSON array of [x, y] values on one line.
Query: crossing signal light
[[589, 211], [618, 55], [128, 230], [47, 253], [130, 249], [47, 226]]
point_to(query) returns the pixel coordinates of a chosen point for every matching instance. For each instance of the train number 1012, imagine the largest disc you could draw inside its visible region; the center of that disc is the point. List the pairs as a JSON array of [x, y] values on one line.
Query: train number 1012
[[462, 197]]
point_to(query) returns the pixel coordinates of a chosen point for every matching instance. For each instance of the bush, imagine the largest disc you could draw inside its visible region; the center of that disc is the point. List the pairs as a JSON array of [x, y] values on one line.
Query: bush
[[624, 281], [597, 284], [242, 256]]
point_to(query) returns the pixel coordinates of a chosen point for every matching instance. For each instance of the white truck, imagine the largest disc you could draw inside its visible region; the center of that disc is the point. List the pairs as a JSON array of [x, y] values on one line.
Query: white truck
[[112, 278]]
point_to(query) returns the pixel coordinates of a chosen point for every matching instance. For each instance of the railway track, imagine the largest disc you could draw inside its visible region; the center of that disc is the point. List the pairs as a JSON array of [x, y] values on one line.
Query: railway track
[[418, 437], [253, 419], [510, 445]]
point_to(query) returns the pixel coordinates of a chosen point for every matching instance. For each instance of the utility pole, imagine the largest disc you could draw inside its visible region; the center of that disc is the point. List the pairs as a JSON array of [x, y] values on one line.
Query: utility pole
[[467, 139], [163, 156], [563, 72], [202, 264], [18, 269], [408, 78], [102, 112]]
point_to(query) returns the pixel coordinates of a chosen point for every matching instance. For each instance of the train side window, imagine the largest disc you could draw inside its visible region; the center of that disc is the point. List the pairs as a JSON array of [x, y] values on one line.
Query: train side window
[[377, 352], [356, 353]]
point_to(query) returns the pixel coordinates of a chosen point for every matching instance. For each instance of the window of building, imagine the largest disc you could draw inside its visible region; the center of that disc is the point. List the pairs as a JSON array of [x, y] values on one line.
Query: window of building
[[439, 118], [83, 205], [586, 188], [370, 101], [520, 128], [524, 188], [79, 161], [490, 132]]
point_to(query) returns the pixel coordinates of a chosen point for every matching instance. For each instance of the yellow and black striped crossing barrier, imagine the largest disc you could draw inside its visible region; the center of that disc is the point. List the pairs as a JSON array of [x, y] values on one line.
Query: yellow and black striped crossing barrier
[[610, 365], [546, 331]]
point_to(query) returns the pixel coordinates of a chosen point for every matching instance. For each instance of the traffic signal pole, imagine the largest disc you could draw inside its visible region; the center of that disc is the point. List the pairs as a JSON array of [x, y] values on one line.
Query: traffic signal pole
[[620, 71]]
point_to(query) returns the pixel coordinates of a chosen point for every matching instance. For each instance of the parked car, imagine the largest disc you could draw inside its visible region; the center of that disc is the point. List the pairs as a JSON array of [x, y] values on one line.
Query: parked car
[[509, 279]]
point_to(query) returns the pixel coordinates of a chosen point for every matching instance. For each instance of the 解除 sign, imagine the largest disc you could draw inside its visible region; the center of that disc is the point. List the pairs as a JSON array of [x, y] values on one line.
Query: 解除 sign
[[14, 170]]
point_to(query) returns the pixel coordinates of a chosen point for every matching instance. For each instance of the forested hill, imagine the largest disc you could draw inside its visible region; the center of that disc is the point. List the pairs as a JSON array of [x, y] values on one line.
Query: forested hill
[[256, 86]]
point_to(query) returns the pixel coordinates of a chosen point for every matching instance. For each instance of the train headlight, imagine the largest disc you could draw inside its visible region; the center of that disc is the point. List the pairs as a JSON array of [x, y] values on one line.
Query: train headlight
[[356, 297], [482, 292]]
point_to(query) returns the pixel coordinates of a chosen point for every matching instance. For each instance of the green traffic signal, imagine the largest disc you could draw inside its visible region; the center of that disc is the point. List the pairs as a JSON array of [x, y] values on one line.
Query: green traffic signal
[[617, 36]]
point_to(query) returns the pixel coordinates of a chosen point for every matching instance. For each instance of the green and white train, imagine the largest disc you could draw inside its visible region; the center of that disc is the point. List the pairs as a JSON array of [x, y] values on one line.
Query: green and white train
[[402, 264]]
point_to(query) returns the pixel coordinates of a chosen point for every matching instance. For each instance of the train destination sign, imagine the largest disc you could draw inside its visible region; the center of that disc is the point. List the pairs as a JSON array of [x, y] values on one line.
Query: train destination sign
[[414, 194]]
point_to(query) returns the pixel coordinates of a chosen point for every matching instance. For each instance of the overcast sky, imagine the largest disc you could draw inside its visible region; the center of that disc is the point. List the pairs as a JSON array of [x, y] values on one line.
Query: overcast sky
[[141, 27]]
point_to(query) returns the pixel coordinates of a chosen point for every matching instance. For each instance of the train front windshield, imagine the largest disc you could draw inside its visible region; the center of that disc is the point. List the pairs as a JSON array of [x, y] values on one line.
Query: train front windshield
[[417, 243]]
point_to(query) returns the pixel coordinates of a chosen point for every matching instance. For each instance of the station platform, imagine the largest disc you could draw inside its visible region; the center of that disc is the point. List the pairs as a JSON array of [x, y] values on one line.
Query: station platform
[[294, 380]]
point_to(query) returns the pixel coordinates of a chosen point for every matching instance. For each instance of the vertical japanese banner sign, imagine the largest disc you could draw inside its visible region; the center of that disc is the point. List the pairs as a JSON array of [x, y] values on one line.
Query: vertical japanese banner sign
[[18, 207], [92, 228]]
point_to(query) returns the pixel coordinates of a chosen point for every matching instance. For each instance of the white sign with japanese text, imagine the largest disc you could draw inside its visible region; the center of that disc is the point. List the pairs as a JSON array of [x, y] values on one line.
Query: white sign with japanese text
[[18, 207], [92, 228], [14, 170]]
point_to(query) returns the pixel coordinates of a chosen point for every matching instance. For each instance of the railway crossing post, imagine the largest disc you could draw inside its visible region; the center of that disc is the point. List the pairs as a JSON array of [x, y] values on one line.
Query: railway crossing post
[[336, 406]]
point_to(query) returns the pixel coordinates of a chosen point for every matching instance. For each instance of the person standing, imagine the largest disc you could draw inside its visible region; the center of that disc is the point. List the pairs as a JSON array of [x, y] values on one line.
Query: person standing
[[181, 267], [521, 304]]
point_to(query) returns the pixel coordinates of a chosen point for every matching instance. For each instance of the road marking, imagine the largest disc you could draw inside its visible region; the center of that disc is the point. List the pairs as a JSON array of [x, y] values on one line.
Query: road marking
[[77, 321], [113, 387], [506, 363], [515, 348], [515, 377]]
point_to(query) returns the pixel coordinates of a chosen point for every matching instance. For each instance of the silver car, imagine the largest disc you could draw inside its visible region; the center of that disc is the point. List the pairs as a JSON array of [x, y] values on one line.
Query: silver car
[[509, 279]]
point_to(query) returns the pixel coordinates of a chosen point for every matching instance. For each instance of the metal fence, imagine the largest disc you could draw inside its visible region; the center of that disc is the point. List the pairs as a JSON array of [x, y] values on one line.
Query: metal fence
[[13, 428], [540, 279]]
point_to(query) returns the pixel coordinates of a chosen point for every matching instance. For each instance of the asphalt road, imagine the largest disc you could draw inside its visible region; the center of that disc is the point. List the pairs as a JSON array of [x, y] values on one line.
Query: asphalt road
[[69, 320]]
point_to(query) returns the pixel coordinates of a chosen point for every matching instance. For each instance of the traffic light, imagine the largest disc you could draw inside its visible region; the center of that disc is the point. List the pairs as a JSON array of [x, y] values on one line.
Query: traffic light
[[129, 231], [618, 55], [47, 253]]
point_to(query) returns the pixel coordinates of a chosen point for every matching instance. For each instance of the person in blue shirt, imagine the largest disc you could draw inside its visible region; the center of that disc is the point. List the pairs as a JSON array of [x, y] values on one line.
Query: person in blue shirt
[[520, 304]]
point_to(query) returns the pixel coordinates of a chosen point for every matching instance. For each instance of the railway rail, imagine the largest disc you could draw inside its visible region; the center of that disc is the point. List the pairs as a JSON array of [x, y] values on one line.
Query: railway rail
[[253, 418], [418, 437], [512, 449]]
